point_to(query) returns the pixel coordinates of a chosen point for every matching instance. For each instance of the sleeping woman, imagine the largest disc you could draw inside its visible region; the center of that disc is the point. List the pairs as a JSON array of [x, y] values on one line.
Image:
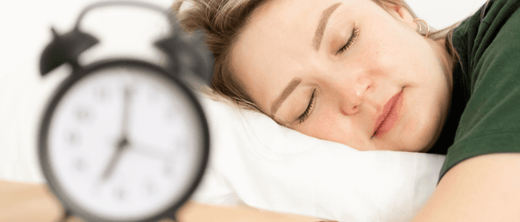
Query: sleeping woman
[[370, 75]]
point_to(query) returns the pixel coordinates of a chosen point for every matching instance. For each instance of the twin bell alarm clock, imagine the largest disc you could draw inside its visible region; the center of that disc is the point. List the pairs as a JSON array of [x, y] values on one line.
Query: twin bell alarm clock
[[124, 139]]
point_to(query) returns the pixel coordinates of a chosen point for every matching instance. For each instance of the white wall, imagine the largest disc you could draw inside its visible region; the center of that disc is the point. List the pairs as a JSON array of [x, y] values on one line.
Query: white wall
[[443, 13]]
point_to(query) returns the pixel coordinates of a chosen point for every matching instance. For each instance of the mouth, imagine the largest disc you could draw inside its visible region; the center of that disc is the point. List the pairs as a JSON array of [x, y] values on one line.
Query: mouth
[[391, 113]]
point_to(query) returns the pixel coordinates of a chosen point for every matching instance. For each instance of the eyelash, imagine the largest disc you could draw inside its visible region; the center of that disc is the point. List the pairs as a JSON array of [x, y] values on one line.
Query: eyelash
[[305, 114], [353, 37]]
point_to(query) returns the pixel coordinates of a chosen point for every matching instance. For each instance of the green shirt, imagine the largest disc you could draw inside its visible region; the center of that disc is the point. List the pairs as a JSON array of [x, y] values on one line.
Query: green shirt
[[485, 108]]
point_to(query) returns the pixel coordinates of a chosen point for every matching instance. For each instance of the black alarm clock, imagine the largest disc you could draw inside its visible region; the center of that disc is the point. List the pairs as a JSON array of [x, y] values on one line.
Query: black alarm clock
[[124, 139]]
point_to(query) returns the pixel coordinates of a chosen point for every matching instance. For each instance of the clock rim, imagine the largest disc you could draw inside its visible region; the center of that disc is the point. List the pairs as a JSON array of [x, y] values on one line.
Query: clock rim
[[68, 204]]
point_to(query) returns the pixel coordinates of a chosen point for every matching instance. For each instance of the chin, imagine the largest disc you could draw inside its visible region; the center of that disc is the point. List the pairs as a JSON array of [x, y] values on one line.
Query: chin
[[420, 138]]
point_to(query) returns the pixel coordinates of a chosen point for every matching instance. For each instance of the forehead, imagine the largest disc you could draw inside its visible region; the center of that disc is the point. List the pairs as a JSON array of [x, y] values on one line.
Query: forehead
[[298, 9], [276, 45], [289, 17]]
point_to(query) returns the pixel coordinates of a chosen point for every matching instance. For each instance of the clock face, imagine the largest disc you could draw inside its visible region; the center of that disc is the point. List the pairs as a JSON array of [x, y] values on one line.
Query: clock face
[[124, 144]]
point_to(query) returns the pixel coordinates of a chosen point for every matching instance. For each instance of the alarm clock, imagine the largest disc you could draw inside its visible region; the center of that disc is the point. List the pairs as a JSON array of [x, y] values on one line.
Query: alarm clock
[[124, 139]]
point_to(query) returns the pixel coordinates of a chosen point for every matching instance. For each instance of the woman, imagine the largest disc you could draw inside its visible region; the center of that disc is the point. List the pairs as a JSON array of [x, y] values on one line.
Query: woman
[[361, 73]]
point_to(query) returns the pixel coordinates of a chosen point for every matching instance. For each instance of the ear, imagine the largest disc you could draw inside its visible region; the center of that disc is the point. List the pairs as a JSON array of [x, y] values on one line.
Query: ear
[[401, 12]]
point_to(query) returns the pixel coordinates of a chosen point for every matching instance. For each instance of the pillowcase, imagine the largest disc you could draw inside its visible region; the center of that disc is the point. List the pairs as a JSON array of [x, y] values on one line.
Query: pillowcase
[[255, 161]]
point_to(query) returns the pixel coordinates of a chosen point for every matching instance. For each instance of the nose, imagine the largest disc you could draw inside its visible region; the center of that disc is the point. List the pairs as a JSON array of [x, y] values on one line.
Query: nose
[[352, 94]]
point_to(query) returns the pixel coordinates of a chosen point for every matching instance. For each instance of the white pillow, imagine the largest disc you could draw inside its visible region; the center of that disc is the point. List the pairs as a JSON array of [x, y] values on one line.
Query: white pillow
[[255, 161]]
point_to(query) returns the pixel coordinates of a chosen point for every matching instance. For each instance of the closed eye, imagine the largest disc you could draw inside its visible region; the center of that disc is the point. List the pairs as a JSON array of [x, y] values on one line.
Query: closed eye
[[350, 41], [308, 110]]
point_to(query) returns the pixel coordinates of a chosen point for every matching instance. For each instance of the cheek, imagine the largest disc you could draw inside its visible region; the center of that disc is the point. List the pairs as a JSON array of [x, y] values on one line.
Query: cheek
[[386, 44], [374, 55], [336, 129]]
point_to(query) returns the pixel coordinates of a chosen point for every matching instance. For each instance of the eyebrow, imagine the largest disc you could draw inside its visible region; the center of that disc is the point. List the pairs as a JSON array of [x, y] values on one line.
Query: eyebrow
[[320, 30], [286, 92]]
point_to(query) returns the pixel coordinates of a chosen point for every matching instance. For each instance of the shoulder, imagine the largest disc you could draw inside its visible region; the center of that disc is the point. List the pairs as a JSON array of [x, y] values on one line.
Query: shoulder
[[491, 69], [488, 40], [497, 10], [477, 32]]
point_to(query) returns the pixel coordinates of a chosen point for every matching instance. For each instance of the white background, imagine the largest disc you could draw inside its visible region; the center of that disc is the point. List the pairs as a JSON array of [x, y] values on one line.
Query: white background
[[25, 31], [24, 25]]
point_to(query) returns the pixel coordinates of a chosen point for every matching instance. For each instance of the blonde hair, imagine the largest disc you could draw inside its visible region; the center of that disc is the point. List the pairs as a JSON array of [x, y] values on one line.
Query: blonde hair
[[223, 20]]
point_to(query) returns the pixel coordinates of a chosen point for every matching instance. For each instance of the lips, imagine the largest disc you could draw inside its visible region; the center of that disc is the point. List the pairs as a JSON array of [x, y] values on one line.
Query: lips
[[390, 115]]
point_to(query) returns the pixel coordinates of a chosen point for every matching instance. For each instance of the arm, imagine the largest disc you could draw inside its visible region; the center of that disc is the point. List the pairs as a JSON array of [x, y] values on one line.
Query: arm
[[195, 212], [27, 202], [33, 202], [483, 188]]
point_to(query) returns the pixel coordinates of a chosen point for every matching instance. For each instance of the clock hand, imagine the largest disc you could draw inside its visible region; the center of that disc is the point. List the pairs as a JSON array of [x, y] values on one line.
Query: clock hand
[[126, 108], [123, 142], [121, 146]]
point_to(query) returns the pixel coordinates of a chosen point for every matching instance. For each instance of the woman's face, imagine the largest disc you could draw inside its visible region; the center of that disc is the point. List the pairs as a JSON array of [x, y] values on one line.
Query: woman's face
[[346, 71]]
